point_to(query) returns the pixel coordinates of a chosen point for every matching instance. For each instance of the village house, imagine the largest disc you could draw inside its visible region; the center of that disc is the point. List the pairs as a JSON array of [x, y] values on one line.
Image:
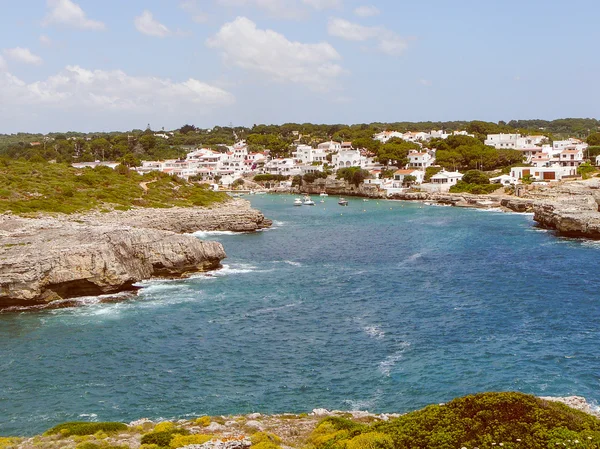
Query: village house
[[330, 146], [399, 176], [348, 158], [571, 157], [419, 159], [553, 173], [384, 136], [442, 181]]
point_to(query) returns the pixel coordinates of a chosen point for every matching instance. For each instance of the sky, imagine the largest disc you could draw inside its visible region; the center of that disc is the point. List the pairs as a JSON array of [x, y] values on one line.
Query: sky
[[110, 65]]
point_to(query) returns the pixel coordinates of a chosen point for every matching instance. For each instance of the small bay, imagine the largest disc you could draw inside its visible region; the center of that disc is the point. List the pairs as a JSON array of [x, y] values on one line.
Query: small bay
[[381, 306]]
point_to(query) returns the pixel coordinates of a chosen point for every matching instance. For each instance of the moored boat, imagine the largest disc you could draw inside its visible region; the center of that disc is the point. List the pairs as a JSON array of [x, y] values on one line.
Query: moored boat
[[297, 202], [343, 202], [308, 201]]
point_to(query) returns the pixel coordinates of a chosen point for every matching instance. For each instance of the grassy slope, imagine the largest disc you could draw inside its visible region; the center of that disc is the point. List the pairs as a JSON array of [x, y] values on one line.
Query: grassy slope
[[41, 187]]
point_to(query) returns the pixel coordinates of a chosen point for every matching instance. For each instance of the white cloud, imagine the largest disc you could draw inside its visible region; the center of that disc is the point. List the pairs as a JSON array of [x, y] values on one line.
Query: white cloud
[[69, 13], [3, 65], [388, 42], [192, 8], [270, 53], [22, 55], [425, 82], [323, 4], [282, 9], [80, 90], [146, 24], [367, 11], [45, 41]]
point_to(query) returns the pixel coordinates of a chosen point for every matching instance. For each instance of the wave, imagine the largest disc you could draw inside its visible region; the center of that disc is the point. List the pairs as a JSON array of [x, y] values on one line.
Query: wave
[[386, 366], [374, 332], [292, 263], [74, 302], [235, 269], [205, 234]]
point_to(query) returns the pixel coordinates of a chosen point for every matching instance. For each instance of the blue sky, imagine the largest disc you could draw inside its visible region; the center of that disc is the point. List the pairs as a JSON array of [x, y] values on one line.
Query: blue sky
[[88, 65]]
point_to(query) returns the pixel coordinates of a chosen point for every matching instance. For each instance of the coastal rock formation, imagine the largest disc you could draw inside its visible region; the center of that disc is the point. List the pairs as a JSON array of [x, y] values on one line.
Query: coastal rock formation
[[42, 260], [50, 258], [236, 215], [572, 210]]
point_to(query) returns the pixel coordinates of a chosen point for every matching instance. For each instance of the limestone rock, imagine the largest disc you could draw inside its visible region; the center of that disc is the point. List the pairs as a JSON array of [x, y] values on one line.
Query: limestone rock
[[65, 256]]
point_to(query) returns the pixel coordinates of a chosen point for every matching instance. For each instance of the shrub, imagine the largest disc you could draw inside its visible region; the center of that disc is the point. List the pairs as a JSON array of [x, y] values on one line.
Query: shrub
[[266, 445], [261, 437], [185, 440], [475, 177], [165, 426], [477, 189], [371, 440], [85, 428], [203, 421], [481, 420]]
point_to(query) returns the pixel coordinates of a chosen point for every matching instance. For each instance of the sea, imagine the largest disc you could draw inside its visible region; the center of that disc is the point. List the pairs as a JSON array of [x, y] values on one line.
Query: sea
[[382, 306]]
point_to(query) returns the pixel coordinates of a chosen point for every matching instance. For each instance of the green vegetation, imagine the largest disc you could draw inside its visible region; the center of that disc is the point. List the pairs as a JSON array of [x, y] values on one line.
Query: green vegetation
[[586, 170], [476, 177], [269, 177], [477, 189], [466, 153], [85, 428], [395, 152], [145, 145], [507, 420], [43, 187], [354, 175], [166, 435], [312, 177]]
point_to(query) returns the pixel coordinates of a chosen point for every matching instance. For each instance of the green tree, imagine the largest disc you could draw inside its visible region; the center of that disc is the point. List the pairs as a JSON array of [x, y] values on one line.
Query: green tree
[[594, 139], [130, 160], [475, 177]]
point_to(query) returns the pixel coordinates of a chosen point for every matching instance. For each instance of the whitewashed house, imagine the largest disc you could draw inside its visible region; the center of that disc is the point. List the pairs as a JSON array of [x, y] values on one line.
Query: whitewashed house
[[384, 136], [419, 159], [502, 141], [330, 146], [348, 158], [399, 175], [442, 181], [553, 173], [571, 157]]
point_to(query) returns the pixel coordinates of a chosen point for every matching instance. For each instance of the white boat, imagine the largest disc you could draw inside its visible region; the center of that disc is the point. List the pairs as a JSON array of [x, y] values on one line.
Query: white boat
[[297, 202], [365, 200], [322, 201], [308, 202], [323, 194], [343, 202]]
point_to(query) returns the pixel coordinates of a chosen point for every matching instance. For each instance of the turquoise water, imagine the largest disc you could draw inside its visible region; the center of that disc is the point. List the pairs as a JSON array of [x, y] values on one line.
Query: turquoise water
[[384, 306]]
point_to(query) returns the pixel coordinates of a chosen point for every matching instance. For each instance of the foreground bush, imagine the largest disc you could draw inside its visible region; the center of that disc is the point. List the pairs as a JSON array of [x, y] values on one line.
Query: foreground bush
[[477, 189], [507, 420], [85, 428]]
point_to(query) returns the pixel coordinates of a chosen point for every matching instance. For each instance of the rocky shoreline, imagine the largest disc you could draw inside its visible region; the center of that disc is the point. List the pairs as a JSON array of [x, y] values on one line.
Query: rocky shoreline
[[284, 431], [571, 209], [49, 258]]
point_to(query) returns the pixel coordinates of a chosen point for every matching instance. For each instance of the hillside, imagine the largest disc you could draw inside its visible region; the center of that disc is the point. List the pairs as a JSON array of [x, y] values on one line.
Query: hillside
[[44, 187]]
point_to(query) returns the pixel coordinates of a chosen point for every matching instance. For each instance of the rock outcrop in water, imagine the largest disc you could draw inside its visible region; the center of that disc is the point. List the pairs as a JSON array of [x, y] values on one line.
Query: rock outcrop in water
[[49, 258], [572, 209]]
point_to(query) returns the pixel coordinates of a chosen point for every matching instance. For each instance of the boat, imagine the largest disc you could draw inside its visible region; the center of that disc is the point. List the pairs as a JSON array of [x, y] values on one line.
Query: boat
[[365, 200], [308, 202], [322, 201], [323, 194], [297, 202], [343, 202]]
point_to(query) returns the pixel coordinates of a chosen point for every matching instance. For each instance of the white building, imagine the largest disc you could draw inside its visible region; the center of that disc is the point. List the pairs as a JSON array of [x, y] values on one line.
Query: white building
[[571, 157], [554, 173], [282, 166], [330, 146], [419, 159], [384, 136], [306, 154], [399, 175], [348, 158], [442, 181], [502, 141]]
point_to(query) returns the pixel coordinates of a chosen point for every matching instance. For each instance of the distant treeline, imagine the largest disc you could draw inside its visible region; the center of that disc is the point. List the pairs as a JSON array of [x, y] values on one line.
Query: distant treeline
[[145, 145]]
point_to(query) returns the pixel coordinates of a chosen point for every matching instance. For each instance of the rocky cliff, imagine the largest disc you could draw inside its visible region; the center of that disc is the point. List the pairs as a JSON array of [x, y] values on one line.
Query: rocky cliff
[[571, 209], [48, 258]]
